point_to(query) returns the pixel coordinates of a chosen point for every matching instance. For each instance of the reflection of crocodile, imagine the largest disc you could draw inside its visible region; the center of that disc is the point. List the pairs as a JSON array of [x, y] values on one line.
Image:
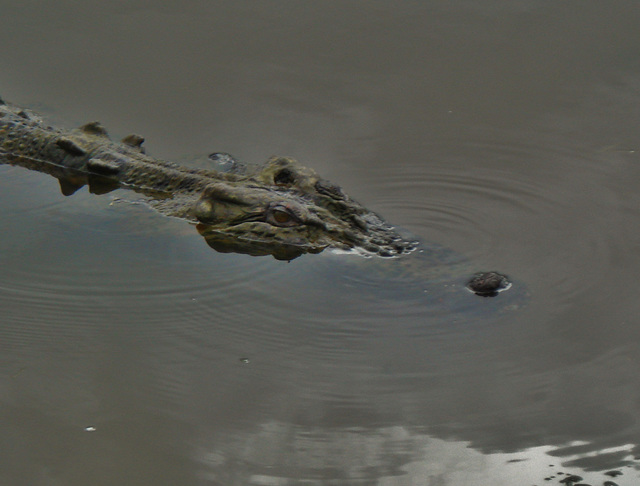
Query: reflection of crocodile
[[282, 208]]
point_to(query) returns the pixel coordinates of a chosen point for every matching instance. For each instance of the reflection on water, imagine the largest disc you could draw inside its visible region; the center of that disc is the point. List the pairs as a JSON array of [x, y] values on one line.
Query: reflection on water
[[387, 456], [133, 354]]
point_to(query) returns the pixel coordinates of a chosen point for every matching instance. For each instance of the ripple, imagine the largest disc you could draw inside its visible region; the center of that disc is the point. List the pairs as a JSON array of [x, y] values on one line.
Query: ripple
[[84, 276], [548, 208]]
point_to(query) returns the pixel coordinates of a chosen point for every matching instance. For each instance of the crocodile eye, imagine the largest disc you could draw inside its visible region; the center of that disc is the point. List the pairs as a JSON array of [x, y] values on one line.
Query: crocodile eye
[[279, 215]]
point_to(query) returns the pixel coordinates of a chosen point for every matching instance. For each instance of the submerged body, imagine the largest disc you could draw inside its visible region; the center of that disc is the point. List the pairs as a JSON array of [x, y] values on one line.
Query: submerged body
[[282, 208]]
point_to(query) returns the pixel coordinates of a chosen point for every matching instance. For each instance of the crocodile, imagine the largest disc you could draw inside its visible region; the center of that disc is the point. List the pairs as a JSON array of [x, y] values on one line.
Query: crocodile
[[281, 208]]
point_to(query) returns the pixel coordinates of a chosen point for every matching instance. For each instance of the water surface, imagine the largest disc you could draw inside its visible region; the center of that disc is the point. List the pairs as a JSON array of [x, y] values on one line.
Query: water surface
[[134, 354]]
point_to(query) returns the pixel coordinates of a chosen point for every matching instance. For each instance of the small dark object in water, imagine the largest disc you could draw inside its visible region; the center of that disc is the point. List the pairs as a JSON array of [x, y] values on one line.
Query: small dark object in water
[[613, 473], [488, 284]]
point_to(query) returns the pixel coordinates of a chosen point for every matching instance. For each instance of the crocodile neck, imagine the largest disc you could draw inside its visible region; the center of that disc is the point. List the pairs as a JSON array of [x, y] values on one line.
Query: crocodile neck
[[89, 154]]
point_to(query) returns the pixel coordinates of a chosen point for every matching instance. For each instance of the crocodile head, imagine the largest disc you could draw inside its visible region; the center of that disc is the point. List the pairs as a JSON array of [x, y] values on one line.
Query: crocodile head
[[285, 209]]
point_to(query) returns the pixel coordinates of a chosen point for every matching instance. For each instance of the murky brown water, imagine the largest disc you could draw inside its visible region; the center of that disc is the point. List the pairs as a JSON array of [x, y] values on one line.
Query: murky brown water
[[132, 354]]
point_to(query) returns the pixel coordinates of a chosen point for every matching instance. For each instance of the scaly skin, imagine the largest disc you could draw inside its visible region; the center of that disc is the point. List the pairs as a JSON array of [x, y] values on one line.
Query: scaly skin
[[282, 208]]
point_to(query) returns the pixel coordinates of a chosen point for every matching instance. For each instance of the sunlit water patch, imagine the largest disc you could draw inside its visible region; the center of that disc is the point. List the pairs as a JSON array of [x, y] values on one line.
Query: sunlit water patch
[[389, 456]]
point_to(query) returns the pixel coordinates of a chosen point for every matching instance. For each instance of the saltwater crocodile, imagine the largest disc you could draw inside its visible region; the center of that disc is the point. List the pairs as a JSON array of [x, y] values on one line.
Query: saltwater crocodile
[[282, 208]]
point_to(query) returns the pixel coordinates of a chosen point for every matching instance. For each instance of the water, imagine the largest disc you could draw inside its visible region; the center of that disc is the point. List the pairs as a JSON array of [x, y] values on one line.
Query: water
[[134, 354]]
